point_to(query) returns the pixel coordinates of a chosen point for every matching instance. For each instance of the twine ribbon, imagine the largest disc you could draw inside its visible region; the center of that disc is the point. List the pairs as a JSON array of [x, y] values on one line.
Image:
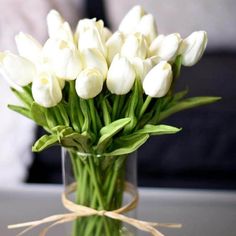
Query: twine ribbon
[[79, 211]]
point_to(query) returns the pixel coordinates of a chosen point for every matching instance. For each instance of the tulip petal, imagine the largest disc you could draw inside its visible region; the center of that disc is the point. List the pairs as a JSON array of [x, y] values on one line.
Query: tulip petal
[[131, 20], [93, 58], [17, 69], [28, 47], [46, 90], [89, 83], [120, 76], [193, 47], [158, 80]]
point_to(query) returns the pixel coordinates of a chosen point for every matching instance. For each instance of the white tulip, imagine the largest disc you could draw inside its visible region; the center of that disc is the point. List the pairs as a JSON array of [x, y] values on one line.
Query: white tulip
[[28, 47], [141, 67], [93, 58], [165, 47], [114, 44], [134, 46], [131, 20], [120, 76], [64, 59], [89, 33], [16, 69], [89, 83], [54, 22], [46, 90], [58, 28], [147, 27], [106, 34], [193, 47], [158, 80]]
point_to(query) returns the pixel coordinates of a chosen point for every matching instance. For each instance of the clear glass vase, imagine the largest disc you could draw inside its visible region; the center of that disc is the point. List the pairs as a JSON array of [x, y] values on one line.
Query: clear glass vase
[[100, 182]]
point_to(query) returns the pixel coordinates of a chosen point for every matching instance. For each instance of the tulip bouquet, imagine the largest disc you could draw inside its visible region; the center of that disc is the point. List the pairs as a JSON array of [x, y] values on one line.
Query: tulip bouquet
[[103, 94]]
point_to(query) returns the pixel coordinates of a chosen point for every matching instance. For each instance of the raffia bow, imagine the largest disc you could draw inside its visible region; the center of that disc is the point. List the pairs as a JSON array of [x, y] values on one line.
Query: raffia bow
[[79, 211]]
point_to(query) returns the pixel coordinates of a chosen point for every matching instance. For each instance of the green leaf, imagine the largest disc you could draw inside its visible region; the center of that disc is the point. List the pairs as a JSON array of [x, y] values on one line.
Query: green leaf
[[23, 96], [128, 144], [187, 104], [108, 131], [22, 110], [51, 117], [158, 129], [38, 114], [70, 138], [63, 113], [44, 142], [179, 95]]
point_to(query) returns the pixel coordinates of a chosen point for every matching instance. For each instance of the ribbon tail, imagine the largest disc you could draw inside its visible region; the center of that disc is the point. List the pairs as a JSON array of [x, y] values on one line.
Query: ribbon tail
[[62, 221], [33, 224], [142, 225]]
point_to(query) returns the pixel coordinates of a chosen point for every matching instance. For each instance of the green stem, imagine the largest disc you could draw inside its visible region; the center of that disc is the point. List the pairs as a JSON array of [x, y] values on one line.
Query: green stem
[[93, 115], [145, 106], [115, 107]]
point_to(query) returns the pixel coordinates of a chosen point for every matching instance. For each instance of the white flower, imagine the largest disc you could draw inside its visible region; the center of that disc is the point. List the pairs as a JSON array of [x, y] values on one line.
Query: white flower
[[90, 35], [147, 27], [130, 21], [193, 47], [28, 47], [64, 59], [165, 47], [120, 76], [46, 90], [158, 80], [134, 46], [141, 67], [58, 28], [54, 22], [16, 69], [106, 33], [114, 44], [89, 83], [93, 58]]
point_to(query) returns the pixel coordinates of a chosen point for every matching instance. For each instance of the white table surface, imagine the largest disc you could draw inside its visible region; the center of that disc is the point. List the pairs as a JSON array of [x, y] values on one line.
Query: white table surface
[[202, 213]]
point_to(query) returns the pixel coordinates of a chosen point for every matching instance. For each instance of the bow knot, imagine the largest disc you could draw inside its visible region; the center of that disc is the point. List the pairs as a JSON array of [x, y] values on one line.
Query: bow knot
[[78, 211]]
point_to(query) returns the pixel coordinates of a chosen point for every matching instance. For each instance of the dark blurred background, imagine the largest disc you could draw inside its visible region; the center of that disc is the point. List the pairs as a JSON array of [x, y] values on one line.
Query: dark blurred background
[[203, 154]]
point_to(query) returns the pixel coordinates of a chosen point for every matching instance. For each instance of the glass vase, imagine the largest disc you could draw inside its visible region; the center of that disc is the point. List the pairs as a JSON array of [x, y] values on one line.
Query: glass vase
[[101, 183]]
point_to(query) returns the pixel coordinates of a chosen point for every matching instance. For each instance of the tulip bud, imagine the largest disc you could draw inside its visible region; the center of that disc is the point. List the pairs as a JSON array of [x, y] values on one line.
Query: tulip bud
[[54, 22], [147, 27], [158, 80], [120, 76], [165, 47], [46, 90], [134, 46], [89, 83], [141, 67], [93, 58], [16, 69], [64, 59], [131, 20], [58, 28], [89, 34], [28, 47], [193, 47], [114, 44]]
